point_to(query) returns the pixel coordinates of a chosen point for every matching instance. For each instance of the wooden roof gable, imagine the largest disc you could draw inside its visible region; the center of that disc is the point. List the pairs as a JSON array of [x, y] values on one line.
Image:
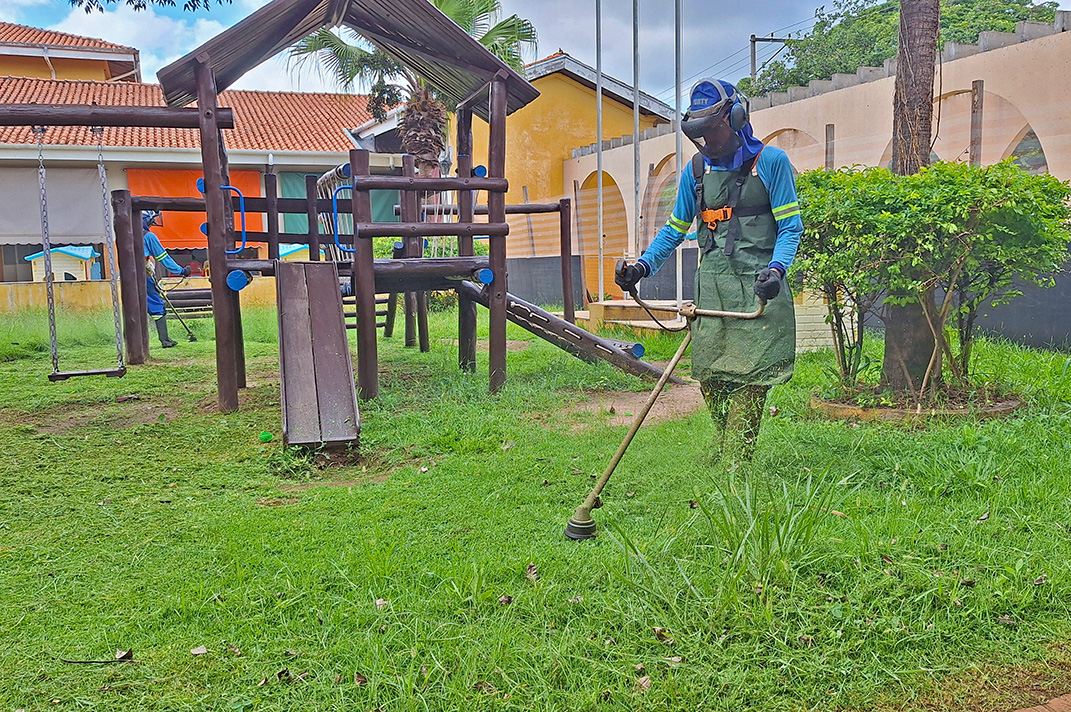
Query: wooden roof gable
[[412, 32]]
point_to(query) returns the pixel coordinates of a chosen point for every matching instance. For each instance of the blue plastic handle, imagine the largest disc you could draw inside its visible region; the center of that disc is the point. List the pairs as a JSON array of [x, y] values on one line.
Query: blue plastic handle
[[637, 350], [241, 209], [334, 219], [480, 171]]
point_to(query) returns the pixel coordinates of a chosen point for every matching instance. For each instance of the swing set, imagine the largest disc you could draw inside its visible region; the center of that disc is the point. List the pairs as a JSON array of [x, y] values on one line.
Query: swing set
[[125, 260], [113, 267]]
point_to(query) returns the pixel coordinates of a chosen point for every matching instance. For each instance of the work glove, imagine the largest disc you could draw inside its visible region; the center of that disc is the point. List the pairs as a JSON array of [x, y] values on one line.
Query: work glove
[[185, 271], [628, 276], [767, 284]]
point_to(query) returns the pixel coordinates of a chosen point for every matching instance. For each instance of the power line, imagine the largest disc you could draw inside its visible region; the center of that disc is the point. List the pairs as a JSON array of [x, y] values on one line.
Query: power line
[[723, 60]]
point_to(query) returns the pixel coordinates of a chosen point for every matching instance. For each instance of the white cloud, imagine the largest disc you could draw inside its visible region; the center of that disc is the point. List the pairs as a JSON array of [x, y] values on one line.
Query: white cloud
[[160, 39], [11, 9]]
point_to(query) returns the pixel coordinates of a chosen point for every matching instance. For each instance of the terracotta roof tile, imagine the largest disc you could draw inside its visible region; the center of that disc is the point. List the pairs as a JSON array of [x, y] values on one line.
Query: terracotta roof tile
[[264, 121], [21, 34]]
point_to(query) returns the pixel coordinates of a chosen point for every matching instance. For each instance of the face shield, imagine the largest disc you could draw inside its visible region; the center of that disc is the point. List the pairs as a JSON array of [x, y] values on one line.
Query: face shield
[[150, 218], [709, 130]]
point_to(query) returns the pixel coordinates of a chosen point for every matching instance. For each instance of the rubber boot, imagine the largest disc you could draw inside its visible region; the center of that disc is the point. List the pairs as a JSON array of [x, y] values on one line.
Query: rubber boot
[[161, 331]]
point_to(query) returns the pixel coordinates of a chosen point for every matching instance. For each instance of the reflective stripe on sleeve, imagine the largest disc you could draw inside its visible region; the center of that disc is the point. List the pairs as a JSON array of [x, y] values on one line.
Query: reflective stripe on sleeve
[[786, 211], [678, 225]]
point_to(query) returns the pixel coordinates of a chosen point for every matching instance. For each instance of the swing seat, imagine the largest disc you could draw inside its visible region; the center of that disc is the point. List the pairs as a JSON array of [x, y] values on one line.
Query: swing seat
[[109, 372]]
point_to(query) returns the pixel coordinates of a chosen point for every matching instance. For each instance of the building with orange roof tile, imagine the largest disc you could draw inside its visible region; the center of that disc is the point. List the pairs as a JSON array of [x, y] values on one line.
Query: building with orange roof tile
[[292, 134]]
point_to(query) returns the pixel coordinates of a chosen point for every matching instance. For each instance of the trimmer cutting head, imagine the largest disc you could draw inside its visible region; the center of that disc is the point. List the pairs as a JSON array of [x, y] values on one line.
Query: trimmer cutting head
[[580, 530]]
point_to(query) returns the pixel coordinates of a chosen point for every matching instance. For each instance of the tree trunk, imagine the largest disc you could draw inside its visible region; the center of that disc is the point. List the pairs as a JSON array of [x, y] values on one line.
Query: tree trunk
[[909, 343]]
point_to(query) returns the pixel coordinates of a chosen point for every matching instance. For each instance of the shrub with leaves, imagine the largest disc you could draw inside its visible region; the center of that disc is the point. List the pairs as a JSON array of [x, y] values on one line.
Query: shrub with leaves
[[968, 234]]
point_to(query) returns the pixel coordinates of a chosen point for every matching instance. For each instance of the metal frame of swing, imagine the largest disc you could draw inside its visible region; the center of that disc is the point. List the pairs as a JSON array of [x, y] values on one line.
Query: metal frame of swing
[[113, 268]]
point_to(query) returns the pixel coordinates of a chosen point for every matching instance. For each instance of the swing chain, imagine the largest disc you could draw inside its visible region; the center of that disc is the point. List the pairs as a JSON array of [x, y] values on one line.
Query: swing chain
[[109, 245], [46, 243]]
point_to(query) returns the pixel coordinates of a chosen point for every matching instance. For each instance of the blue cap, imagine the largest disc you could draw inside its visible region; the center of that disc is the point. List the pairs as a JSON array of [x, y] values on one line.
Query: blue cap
[[705, 94], [485, 275]]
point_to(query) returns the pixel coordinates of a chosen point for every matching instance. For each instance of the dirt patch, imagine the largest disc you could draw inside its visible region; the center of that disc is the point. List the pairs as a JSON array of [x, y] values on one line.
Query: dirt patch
[[70, 418], [482, 344], [847, 411], [277, 501], [998, 688], [621, 407], [306, 486]]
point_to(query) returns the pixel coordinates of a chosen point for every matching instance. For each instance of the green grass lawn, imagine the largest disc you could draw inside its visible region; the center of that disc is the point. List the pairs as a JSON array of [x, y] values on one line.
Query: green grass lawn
[[400, 580]]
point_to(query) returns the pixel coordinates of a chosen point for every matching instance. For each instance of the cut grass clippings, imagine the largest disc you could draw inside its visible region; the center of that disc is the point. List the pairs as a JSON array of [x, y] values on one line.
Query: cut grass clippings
[[851, 567]]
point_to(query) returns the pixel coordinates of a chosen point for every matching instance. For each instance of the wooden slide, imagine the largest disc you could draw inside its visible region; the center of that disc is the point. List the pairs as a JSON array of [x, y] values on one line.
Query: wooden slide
[[318, 397]]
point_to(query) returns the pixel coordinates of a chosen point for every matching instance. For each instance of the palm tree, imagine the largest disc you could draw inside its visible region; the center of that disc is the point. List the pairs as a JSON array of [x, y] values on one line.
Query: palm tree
[[353, 63]]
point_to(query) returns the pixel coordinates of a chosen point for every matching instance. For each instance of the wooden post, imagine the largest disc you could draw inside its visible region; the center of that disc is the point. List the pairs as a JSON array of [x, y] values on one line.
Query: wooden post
[[830, 160], [466, 317], [565, 227], [314, 218], [496, 213], [131, 271], [271, 193], [974, 151], [235, 297], [143, 285], [364, 284], [226, 354], [413, 248]]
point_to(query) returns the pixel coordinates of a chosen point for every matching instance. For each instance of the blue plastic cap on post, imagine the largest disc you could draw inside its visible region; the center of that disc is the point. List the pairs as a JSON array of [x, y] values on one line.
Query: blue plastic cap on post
[[637, 350], [399, 245], [480, 171], [346, 169], [204, 228], [201, 186], [238, 280], [485, 275]]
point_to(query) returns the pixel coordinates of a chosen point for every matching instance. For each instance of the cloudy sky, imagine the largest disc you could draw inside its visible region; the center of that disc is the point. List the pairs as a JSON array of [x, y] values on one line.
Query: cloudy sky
[[715, 35]]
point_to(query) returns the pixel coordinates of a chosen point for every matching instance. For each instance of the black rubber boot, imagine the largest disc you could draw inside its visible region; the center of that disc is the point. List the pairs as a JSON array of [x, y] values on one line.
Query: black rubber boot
[[161, 331]]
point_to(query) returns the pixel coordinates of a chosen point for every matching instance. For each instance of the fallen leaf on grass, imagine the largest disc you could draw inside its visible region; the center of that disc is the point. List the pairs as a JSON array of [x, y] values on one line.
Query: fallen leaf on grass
[[359, 680], [546, 483], [199, 650], [284, 675], [302, 676], [124, 399], [662, 636], [774, 411], [640, 667], [576, 599], [262, 683], [967, 583], [1041, 579], [692, 504], [1006, 620], [674, 661], [124, 655], [291, 653], [485, 687], [642, 685], [983, 517], [531, 572], [423, 469], [506, 447], [382, 603], [505, 600], [887, 559], [337, 678], [806, 641]]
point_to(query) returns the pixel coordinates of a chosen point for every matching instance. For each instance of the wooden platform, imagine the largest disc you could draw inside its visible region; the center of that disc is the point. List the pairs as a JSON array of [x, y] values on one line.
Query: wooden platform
[[317, 392], [628, 314]]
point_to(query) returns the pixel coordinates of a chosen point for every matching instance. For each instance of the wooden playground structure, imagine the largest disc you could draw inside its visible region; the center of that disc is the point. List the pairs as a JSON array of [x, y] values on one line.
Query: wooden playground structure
[[319, 401]]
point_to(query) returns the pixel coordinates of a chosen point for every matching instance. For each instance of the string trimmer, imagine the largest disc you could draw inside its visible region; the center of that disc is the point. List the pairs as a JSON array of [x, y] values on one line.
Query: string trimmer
[[581, 525], [189, 334]]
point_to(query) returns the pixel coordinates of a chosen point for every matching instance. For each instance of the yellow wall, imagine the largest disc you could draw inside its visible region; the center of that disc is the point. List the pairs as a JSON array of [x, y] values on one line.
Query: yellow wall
[[539, 138], [96, 295], [65, 68]]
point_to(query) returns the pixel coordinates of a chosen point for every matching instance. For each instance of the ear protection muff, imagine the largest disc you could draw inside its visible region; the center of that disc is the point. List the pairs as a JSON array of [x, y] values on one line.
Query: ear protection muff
[[739, 111]]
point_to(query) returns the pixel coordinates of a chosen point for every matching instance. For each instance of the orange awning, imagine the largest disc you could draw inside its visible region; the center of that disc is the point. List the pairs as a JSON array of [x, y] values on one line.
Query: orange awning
[[182, 231]]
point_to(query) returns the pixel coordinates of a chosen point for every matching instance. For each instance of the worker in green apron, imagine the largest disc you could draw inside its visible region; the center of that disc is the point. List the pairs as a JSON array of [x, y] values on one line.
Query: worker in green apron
[[743, 195]]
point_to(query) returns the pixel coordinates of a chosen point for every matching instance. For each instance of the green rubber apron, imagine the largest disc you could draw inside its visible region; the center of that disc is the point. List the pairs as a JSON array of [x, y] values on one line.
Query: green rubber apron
[[759, 351]]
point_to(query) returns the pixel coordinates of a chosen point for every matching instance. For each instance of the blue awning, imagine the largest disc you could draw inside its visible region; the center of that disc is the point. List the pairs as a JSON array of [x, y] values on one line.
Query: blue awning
[[82, 252]]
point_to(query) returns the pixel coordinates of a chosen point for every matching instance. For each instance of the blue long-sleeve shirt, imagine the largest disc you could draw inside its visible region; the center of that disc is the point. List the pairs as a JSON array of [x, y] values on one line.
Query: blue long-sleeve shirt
[[775, 172], [154, 249]]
